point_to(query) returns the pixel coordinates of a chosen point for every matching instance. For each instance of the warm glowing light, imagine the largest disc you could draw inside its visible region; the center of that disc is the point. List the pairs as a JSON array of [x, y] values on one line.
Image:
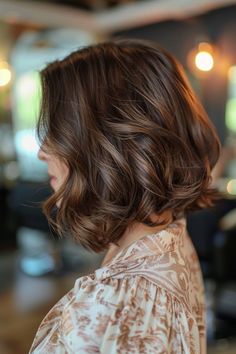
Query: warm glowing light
[[204, 61], [5, 77], [231, 187], [5, 73]]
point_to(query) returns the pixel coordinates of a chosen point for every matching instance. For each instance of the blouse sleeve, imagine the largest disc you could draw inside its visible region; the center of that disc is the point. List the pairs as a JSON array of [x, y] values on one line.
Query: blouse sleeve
[[127, 315]]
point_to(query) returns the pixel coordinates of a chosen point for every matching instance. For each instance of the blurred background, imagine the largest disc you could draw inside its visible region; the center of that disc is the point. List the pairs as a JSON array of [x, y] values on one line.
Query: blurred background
[[36, 268]]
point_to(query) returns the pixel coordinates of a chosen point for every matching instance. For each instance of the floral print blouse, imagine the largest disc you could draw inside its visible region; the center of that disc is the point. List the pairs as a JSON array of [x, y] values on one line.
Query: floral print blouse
[[148, 299]]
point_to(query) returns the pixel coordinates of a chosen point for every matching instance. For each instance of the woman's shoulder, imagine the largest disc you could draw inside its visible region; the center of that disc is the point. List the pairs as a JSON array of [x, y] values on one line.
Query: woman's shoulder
[[147, 289], [113, 314]]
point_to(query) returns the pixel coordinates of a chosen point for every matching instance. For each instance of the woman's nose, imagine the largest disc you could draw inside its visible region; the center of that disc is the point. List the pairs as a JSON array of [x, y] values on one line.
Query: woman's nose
[[42, 155]]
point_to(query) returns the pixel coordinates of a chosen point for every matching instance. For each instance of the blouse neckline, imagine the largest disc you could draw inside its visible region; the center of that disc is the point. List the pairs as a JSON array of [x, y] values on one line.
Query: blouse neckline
[[162, 241]]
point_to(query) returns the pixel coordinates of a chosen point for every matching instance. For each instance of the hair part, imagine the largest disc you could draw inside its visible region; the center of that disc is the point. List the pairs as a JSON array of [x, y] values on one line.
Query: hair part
[[135, 138]]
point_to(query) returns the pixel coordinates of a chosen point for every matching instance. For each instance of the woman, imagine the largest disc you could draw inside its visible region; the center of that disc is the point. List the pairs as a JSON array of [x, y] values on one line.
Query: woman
[[130, 151]]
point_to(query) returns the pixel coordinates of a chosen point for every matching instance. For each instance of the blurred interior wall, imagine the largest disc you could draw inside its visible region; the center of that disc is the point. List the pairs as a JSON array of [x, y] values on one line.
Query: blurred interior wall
[[180, 37]]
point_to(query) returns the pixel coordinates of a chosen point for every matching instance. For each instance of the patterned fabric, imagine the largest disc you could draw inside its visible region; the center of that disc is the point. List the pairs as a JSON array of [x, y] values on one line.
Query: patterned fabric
[[148, 299]]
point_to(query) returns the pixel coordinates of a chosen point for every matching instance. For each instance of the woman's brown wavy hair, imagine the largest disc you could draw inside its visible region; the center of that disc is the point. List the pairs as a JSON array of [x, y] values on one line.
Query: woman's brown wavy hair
[[135, 138]]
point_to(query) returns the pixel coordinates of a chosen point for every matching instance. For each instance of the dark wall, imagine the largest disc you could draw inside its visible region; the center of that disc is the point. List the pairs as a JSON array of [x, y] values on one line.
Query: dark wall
[[179, 37]]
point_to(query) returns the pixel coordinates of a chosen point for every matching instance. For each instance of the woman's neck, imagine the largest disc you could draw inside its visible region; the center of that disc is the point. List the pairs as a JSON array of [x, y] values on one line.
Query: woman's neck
[[136, 232]]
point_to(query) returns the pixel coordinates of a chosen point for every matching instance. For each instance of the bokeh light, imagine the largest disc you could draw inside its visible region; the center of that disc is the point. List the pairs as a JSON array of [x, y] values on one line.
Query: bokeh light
[[231, 187], [5, 73], [204, 61]]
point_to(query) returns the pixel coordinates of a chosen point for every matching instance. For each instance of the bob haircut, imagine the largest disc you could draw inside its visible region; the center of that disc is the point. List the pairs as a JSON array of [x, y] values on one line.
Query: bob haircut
[[135, 138]]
